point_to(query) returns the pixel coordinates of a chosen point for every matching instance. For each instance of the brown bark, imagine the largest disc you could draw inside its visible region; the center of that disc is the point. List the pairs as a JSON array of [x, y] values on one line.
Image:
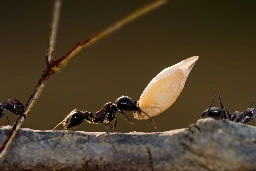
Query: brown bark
[[206, 145]]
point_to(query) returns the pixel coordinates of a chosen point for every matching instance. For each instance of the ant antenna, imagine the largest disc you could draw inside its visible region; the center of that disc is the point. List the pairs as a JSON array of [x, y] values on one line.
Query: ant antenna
[[206, 115], [151, 120], [8, 119], [220, 101], [252, 104], [113, 126], [226, 113]]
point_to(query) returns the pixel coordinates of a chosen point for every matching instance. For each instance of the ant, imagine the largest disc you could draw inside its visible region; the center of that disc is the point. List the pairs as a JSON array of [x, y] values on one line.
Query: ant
[[13, 105], [106, 115], [219, 113]]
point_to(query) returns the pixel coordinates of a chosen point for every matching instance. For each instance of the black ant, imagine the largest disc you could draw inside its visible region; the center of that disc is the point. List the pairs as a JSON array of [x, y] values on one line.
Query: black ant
[[220, 113], [106, 115], [13, 105]]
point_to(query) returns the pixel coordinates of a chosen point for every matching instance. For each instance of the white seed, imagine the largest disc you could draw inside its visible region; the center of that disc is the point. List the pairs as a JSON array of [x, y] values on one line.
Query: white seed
[[164, 89]]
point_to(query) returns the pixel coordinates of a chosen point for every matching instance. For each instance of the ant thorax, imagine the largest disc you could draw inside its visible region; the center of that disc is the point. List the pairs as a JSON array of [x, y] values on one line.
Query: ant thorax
[[106, 114]]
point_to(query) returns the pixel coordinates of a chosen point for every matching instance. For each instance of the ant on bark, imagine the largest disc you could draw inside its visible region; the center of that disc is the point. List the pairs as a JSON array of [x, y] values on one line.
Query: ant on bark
[[106, 115], [220, 113], [13, 105]]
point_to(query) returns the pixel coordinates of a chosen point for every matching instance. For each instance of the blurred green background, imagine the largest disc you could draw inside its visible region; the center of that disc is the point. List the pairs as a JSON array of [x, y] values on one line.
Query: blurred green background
[[222, 33]]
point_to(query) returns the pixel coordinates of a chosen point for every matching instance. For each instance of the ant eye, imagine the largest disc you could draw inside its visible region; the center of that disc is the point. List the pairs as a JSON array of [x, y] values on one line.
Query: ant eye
[[165, 88]]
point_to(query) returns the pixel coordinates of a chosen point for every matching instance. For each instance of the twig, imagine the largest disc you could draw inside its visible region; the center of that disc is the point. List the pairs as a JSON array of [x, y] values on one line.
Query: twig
[[53, 32], [53, 66], [63, 61]]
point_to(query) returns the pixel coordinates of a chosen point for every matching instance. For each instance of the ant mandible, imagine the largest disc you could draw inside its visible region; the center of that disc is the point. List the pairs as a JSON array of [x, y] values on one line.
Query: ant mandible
[[219, 113], [13, 105], [106, 115]]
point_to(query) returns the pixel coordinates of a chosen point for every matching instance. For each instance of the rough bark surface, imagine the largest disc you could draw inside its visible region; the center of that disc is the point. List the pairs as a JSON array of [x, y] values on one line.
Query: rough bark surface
[[206, 145]]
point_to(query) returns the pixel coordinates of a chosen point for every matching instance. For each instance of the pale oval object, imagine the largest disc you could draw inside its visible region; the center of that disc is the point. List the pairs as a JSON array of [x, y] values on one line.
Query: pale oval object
[[163, 90]]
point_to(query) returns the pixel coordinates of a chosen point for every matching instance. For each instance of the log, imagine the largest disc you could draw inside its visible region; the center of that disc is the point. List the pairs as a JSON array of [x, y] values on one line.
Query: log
[[206, 145]]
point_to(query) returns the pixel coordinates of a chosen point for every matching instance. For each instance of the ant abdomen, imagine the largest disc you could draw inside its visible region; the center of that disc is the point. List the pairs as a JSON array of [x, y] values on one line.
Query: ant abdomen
[[74, 118]]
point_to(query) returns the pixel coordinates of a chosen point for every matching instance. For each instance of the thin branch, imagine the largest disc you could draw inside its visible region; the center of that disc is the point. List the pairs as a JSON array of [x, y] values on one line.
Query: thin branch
[[53, 32], [63, 61], [207, 145], [53, 67]]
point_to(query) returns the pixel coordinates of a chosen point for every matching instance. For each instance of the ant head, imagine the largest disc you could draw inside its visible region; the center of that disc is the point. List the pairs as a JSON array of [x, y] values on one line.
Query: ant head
[[214, 112], [127, 104], [75, 118], [15, 106]]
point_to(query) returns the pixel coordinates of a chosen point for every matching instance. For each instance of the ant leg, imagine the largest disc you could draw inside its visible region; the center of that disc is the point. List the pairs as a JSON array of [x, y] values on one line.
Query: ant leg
[[226, 113], [2, 108], [113, 126], [2, 114], [252, 104], [106, 128], [107, 136], [151, 120], [64, 132], [57, 125], [130, 121], [7, 119]]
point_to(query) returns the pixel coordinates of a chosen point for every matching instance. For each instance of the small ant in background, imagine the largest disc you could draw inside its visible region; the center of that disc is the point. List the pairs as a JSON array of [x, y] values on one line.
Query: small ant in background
[[219, 113], [13, 105], [106, 115]]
